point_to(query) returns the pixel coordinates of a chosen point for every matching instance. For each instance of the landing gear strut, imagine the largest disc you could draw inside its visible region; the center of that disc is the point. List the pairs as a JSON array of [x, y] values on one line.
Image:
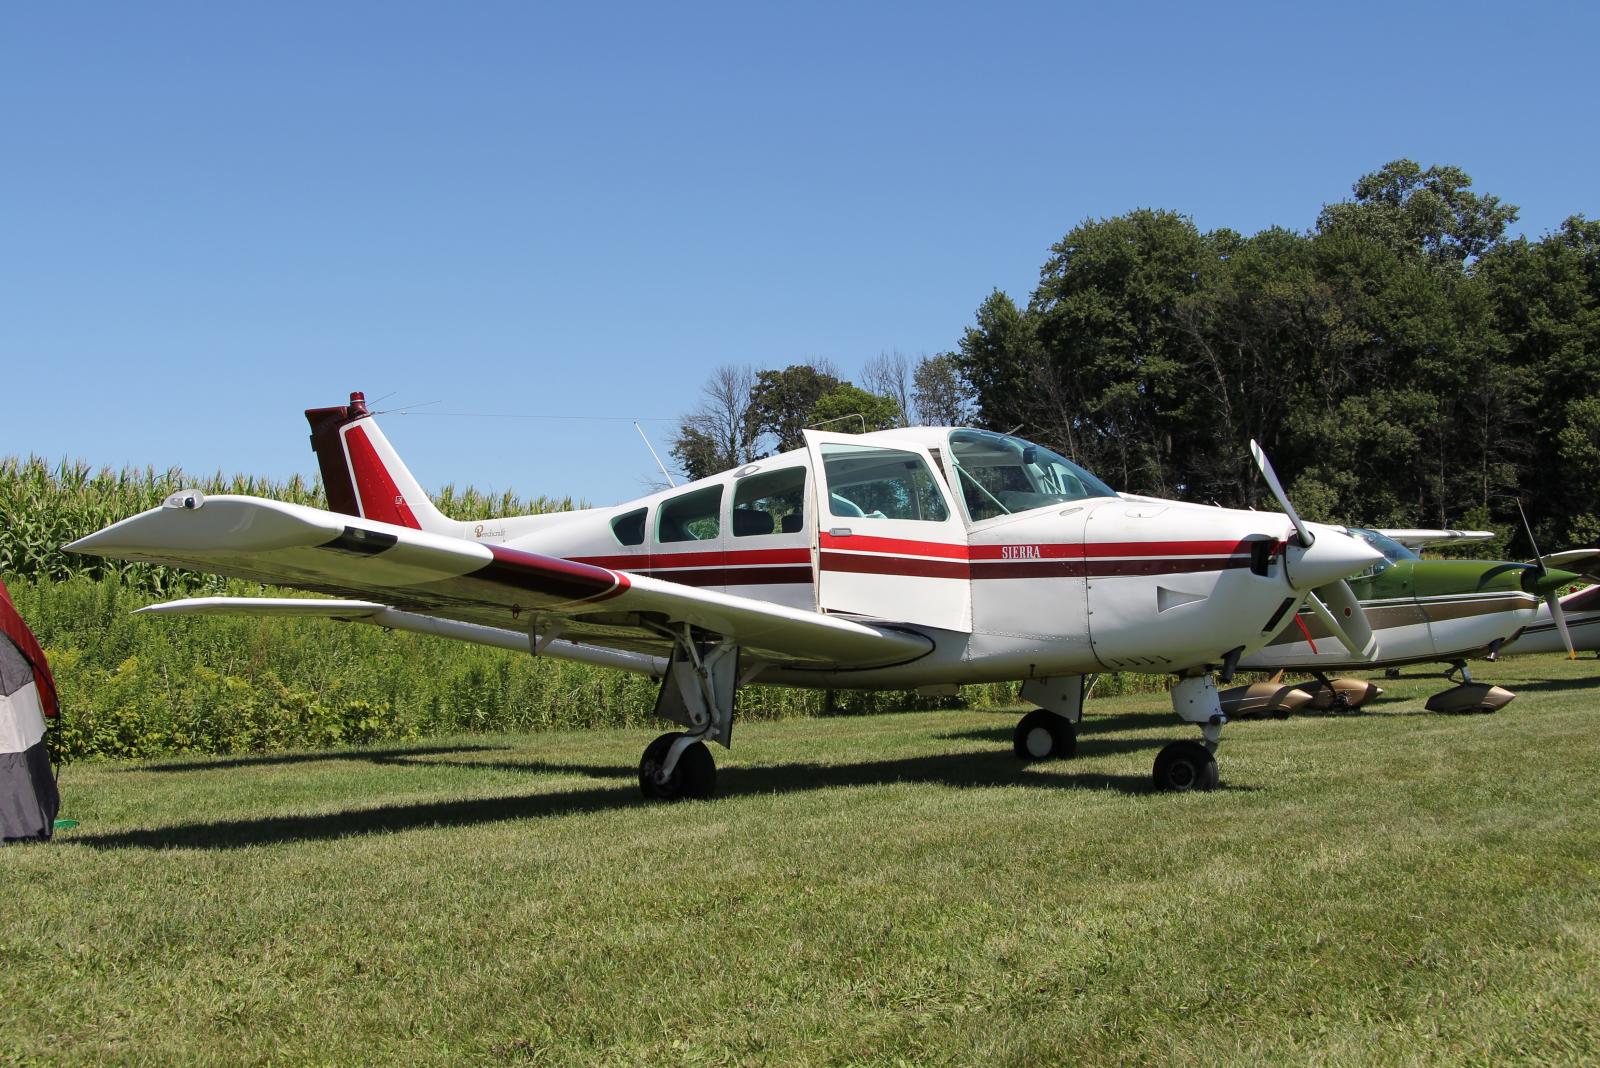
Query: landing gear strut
[[697, 691]]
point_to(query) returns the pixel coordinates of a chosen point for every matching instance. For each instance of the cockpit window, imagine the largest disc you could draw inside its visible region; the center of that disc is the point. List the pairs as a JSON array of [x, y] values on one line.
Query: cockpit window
[[1393, 552], [1000, 474]]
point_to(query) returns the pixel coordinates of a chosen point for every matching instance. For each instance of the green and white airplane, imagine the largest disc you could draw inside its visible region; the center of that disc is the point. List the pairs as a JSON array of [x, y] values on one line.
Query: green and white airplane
[[1420, 611]]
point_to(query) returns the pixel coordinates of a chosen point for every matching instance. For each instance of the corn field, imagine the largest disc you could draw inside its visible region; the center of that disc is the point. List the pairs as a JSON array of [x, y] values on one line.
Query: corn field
[[43, 506]]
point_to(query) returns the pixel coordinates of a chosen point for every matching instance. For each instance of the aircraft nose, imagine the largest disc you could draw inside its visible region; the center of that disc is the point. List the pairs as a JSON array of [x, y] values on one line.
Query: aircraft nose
[[1333, 555], [1552, 580]]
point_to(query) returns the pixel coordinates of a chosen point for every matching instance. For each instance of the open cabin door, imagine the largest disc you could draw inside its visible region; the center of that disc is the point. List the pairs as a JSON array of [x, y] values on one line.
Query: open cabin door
[[890, 543]]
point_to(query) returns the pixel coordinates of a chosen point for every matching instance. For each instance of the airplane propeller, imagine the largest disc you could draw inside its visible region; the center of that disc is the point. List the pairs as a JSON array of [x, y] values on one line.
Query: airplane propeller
[[1334, 603], [1552, 598], [1265, 467]]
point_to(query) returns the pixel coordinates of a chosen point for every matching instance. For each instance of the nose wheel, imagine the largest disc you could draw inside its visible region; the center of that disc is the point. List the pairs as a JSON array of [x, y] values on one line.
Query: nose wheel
[[677, 767], [1190, 765], [1184, 766], [1043, 735]]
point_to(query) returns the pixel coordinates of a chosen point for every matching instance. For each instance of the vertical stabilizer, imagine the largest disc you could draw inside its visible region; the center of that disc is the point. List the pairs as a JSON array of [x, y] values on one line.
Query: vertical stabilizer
[[363, 475]]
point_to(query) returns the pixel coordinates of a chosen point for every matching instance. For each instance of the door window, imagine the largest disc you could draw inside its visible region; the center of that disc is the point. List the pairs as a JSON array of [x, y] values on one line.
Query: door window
[[865, 482]]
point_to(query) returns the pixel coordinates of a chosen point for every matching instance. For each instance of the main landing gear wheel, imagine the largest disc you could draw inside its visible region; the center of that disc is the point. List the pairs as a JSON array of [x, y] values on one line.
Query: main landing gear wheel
[[1044, 735], [694, 777], [1184, 766]]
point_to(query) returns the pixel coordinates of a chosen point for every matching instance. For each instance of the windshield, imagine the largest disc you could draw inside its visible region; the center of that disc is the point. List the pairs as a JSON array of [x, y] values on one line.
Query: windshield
[[1000, 474], [1392, 550]]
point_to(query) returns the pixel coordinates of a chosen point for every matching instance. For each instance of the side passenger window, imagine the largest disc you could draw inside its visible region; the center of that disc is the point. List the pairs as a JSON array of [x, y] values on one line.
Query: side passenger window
[[629, 527], [770, 503], [692, 517]]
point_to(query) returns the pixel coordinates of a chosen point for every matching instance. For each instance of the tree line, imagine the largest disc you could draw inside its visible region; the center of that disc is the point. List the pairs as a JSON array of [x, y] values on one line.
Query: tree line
[[1403, 361]]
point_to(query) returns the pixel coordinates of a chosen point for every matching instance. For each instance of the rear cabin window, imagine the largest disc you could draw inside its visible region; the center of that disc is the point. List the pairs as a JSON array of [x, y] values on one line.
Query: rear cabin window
[[629, 528], [871, 483], [770, 503], [692, 517]]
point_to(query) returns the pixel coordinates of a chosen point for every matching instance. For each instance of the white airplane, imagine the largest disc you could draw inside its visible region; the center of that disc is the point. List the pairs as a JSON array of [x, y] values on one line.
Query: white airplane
[[915, 558]]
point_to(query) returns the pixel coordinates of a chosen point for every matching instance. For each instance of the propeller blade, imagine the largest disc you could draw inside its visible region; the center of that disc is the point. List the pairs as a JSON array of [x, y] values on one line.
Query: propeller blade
[[1559, 614], [1528, 529], [1336, 605], [1276, 487]]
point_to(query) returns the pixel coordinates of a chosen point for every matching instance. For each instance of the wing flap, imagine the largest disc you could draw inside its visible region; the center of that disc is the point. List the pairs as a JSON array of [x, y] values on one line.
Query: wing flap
[[291, 545]]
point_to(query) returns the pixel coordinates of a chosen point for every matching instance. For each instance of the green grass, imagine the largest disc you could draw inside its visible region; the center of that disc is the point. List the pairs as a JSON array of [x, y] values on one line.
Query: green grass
[[1395, 887]]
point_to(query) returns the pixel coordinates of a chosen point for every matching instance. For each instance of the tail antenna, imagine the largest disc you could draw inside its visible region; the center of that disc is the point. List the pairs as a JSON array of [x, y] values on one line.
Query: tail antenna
[[664, 472]]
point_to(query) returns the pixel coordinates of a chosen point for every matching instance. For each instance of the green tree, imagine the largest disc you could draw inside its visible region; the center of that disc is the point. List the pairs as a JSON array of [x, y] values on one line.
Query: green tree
[[1118, 363], [719, 434], [782, 402], [940, 395], [836, 410], [1432, 212]]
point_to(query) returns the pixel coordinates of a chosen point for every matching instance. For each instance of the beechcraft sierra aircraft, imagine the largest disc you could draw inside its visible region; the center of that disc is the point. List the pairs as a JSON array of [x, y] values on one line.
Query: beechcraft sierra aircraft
[[915, 558]]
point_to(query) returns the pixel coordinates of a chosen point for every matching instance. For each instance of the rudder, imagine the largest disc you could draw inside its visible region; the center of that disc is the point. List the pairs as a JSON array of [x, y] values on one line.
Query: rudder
[[362, 474]]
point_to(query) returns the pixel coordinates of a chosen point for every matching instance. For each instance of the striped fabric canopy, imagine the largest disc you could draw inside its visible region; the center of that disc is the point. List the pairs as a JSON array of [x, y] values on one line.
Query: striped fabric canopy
[[28, 797]]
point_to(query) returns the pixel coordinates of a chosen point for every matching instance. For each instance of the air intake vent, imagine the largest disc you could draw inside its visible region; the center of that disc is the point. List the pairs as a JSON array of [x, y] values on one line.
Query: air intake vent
[[1166, 599]]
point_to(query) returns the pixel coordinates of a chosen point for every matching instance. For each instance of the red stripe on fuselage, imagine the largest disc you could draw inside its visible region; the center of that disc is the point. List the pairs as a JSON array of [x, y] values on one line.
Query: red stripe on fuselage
[[380, 497], [873, 564], [869, 555], [1056, 551]]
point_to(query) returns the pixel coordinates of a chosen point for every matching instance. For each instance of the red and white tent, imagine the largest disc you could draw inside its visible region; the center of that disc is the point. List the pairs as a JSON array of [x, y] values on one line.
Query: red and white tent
[[28, 797]]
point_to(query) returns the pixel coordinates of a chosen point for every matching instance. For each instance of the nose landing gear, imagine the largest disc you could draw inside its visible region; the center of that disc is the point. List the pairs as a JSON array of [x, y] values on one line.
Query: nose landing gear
[[1185, 765], [1190, 765]]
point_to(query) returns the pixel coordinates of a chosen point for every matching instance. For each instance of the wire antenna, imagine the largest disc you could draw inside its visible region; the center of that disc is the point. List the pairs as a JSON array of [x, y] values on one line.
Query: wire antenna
[[664, 472]]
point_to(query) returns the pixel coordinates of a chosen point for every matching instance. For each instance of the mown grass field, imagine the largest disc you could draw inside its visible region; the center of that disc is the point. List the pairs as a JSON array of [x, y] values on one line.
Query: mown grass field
[[1395, 887]]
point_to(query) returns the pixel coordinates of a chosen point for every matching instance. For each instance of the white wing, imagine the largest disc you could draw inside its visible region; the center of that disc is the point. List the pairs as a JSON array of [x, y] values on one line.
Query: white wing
[[489, 585]]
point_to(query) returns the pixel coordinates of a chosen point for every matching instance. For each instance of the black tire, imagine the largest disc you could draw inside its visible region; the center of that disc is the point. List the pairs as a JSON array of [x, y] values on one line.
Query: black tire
[[1185, 766], [1044, 735], [694, 778]]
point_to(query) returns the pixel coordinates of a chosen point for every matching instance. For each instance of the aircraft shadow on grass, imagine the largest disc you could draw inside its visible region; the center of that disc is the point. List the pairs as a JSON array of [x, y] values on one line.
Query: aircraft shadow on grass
[[1089, 732], [373, 756], [961, 770]]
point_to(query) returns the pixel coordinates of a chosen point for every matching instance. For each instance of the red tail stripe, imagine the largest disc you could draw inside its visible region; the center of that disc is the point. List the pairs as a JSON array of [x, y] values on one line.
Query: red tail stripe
[[380, 497]]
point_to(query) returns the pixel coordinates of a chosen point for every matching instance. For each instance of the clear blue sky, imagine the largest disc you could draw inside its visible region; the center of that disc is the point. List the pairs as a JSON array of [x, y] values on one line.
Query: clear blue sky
[[215, 215]]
